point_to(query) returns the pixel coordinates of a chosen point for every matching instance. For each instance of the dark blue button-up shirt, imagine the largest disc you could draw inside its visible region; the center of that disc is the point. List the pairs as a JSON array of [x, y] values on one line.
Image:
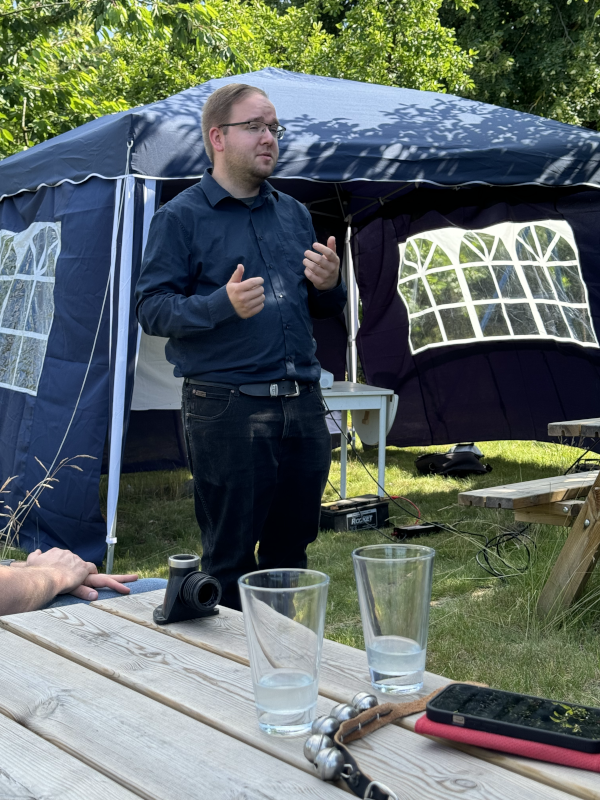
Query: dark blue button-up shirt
[[194, 245]]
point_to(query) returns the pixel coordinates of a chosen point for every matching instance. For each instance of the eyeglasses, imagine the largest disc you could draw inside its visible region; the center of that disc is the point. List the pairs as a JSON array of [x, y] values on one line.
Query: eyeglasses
[[257, 128]]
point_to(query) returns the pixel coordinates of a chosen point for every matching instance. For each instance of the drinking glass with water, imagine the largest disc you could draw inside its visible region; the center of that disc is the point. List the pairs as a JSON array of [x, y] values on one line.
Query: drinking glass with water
[[394, 591], [284, 617]]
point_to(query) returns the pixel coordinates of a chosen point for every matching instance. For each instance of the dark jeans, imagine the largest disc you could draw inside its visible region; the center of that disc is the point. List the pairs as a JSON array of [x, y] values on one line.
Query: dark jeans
[[260, 466]]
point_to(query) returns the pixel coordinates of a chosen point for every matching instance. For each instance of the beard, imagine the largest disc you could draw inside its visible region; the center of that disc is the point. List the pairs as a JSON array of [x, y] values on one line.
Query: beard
[[246, 169]]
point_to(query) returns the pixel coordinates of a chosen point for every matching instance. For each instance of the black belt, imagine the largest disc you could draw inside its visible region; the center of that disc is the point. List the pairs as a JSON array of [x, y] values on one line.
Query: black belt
[[275, 389]]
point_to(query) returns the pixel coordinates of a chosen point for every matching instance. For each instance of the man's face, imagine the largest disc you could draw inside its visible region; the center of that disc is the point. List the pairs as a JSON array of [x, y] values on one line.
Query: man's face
[[249, 156]]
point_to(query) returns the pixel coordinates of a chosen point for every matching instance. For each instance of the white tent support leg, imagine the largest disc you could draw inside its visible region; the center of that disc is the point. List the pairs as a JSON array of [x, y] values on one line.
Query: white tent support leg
[[120, 372], [351, 324], [124, 311], [351, 308], [113, 260]]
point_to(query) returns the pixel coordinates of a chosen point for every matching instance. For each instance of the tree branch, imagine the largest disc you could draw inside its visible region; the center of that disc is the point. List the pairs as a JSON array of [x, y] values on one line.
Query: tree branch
[[35, 7], [23, 126], [564, 26]]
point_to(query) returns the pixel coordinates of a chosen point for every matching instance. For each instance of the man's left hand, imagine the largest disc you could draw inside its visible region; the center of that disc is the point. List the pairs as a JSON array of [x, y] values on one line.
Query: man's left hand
[[322, 267]]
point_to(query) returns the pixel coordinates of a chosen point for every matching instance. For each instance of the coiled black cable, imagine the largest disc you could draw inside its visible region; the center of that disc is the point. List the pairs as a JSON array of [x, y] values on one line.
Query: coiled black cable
[[492, 545]]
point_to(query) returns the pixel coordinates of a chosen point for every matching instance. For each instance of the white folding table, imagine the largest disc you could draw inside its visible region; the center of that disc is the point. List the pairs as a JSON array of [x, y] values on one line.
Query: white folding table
[[346, 396]]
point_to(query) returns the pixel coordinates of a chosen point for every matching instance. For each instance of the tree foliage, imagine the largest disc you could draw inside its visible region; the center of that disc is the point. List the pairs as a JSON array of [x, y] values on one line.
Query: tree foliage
[[540, 56], [66, 62]]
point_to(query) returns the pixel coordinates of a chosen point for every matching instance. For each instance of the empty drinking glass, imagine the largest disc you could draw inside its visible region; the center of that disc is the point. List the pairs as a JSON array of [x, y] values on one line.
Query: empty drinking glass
[[284, 616], [394, 591]]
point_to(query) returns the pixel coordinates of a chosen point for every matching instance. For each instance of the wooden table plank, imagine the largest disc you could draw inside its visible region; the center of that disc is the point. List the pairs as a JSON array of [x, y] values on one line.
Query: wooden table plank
[[214, 690], [575, 427], [147, 747], [225, 634], [530, 493], [211, 688], [577, 782], [344, 670], [31, 767]]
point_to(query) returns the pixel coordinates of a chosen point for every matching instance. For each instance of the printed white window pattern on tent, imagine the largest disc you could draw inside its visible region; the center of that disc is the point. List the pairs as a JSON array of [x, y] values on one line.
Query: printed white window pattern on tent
[[507, 281], [27, 273]]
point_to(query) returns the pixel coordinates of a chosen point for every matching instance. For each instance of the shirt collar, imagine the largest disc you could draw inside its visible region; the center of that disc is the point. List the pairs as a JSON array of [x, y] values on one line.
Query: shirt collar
[[215, 192]]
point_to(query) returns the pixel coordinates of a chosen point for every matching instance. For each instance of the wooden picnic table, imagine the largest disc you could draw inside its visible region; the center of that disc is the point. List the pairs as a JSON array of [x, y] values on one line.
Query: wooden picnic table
[[567, 500], [99, 703]]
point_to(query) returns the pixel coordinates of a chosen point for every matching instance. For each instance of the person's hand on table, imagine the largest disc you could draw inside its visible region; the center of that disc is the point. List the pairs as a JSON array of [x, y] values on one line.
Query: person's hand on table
[[87, 591], [78, 577], [69, 570], [322, 267]]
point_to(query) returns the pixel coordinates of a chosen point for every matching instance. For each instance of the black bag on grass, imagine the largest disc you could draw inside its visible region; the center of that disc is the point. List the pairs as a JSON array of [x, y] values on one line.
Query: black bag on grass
[[453, 464]]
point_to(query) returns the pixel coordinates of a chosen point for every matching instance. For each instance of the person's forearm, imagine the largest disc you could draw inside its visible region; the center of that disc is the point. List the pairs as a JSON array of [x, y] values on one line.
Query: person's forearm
[[173, 315], [164, 305], [28, 589]]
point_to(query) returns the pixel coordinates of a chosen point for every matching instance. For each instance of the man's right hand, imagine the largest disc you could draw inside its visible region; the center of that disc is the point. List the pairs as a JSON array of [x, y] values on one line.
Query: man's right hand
[[247, 297]]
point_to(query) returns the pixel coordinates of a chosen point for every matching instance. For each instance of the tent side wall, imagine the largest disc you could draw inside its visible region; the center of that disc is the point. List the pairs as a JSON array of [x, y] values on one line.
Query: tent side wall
[[497, 338], [54, 333]]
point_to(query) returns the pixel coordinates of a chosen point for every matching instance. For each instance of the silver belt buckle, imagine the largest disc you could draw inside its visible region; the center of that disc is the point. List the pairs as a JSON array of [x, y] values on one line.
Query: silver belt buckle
[[297, 392], [273, 390]]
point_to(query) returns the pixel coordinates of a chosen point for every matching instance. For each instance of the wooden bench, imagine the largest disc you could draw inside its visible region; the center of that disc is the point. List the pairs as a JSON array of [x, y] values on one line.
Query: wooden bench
[[566, 500], [526, 494], [583, 428]]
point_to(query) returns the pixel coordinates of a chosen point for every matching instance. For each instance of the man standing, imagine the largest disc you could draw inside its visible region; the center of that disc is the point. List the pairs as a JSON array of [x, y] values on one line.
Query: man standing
[[232, 275]]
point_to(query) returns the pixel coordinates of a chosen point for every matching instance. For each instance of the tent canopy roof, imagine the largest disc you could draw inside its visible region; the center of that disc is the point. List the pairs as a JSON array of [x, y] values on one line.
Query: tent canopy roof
[[337, 131]]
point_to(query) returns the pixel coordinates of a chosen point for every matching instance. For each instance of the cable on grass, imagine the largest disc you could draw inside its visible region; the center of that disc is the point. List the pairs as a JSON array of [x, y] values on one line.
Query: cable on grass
[[494, 545], [590, 449]]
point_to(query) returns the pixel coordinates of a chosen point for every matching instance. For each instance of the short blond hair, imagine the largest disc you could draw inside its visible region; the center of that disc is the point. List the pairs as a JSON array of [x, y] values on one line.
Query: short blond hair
[[217, 109]]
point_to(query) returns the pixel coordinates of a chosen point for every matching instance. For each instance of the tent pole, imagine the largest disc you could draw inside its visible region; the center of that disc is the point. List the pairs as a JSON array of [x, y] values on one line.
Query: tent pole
[[113, 263], [121, 357], [351, 307], [120, 371]]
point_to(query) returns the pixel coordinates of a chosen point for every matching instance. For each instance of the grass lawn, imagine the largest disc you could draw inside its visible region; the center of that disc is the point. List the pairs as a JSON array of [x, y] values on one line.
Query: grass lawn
[[481, 628]]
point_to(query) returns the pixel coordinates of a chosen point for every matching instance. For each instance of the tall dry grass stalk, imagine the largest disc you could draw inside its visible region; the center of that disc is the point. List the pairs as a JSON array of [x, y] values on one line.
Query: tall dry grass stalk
[[9, 534]]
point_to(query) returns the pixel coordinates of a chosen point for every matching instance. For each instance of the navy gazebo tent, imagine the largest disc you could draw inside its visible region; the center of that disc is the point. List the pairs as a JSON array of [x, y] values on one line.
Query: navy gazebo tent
[[474, 236]]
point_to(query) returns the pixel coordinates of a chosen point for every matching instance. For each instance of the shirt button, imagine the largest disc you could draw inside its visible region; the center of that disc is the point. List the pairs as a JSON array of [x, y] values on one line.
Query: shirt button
[[280, 295], [287, 327], [261, 238]]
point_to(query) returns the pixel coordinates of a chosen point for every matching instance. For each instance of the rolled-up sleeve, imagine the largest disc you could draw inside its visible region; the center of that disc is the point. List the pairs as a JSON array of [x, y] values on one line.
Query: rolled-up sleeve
[[166, 304]]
